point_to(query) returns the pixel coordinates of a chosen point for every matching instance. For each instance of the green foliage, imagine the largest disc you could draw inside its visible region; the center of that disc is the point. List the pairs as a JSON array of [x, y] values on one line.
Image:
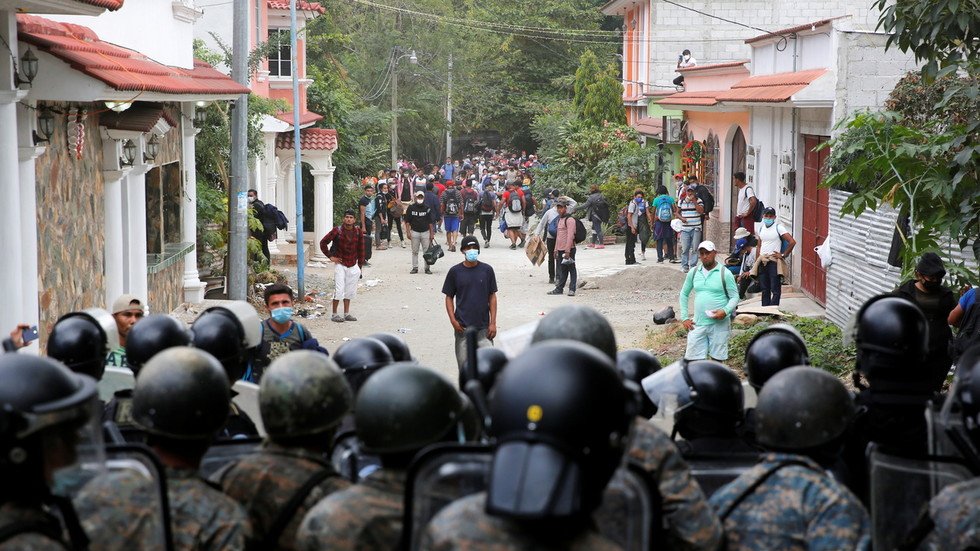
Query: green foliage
[[603, 103], [942, 33], [617, 192], [586, 74], [823, 339]]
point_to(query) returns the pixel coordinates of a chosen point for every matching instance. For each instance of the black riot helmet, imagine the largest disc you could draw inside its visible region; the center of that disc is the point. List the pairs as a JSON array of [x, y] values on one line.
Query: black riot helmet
[[968, 391], [153, 334], [892, 338], [636, 365], [405, 407], [81, 341], [360, 358], [773, 349], [490, 362], [231, 334], [802, 408], [301, 394], [396, 345], [561, 417], [705, 395], [182, 393], [577, 323]]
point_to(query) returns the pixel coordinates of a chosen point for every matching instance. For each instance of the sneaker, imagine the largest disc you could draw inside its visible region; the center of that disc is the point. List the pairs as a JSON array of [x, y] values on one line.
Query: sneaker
[[348, 317], [674, 261], [521, 245], [403, 244], [366, 264], [643, 256], [571, 293], [660, 261], [337, 318], [452, 248], [600, 246], [513, 246], [590, 246], [555, 292], [427, 270], [486, 244], [414, 271]]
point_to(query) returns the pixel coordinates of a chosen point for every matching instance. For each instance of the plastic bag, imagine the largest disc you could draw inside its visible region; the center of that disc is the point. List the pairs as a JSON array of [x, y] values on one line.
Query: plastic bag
[[825, 253]]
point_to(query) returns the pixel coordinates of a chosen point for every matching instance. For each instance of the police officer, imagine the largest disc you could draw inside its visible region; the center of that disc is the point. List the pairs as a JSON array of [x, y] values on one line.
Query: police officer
[[490, 362], [42, 405], [578, 323], [180, 402], [360, 358], [81, 341], [399, 411], [557, 447], [788, 501], [303, 396], [770, 351], [396, 345]]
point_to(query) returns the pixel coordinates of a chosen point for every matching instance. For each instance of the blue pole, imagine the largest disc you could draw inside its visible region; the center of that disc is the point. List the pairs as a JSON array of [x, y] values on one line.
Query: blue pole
[[298, 166]]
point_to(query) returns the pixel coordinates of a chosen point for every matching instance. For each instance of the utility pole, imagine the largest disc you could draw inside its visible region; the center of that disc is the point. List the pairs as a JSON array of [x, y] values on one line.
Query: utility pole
[[394, 110], [297, 160], [238, 200], [449, 110]]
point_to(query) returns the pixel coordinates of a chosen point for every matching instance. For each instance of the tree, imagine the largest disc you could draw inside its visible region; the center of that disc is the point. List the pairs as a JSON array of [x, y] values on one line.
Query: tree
[[603, 103], [586, 74]]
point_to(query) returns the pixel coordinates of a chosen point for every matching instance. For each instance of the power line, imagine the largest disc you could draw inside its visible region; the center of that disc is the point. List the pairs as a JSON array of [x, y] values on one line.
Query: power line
[[712, 16]]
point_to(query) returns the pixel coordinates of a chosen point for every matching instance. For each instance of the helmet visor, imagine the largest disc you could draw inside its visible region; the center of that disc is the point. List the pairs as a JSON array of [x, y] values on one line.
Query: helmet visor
[[670, 388], [74, 450]]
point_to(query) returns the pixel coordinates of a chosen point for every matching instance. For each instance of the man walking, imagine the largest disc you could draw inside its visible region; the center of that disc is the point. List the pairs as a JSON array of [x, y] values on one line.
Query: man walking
[[691, 212], [716, 298], [564, 249], [471, 207], [471, 298], [418, 225], [746, 204], [347, 254], [368, 208], [512, 205], [488, 209], [268, 226], [451, 208]]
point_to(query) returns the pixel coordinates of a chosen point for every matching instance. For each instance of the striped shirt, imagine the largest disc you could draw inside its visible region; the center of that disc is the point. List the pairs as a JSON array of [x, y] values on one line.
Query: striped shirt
[[689, 213]]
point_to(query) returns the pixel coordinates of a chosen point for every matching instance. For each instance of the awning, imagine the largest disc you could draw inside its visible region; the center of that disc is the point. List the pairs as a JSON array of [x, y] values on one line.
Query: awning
[[141, 117], [682, 99], [777, 88], [310, 139], [649, 126], [305, 117]]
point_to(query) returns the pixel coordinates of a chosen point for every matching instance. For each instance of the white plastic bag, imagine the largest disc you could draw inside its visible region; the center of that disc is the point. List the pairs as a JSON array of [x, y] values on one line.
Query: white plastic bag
[[825, 253]]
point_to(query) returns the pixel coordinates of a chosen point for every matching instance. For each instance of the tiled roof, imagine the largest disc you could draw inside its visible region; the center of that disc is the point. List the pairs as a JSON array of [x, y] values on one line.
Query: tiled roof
[[317, 139], [775, 88], [794, 30], [141, 117], [305, 117], [120, 68], [301, 5], [691, 98], [111, 5], [697, 68], [649, 126]]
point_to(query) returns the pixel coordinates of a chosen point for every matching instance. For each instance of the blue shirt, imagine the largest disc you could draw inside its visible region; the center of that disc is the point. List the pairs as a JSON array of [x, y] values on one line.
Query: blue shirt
[[968, 298], [472, 288], [447, 171]]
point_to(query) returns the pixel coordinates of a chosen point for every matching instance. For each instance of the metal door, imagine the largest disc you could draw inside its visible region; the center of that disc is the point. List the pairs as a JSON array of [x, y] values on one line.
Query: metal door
[[816, 219]]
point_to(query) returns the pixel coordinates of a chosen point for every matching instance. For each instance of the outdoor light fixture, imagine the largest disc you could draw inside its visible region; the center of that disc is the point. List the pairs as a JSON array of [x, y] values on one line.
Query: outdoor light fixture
[[45, 126], [129, 153], [200, 117], [412, 58], [118, 106], [28, 66], [152, 149]]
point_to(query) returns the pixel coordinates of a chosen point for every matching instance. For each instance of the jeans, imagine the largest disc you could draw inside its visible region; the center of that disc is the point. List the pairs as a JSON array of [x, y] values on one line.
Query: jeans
[[481, 342], [486, 226], [551, 258], [596, 230], [565, 269], [769, 283], [630, 246], [368, 231], [665, 245], [397, 223], [469, 224], [690, 239], [382, 232], [419, 239]]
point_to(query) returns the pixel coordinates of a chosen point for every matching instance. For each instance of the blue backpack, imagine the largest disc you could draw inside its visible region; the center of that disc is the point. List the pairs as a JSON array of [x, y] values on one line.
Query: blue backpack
[[553, 227]]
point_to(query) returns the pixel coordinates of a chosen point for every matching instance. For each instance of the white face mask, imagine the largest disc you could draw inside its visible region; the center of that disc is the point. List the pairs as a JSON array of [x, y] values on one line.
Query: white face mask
[[252, 199], [419, 201], [687, 58]]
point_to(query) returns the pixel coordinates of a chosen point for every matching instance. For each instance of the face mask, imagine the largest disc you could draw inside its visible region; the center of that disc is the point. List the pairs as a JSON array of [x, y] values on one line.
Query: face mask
[[252, 199], [768, 222], [282, 315], [687, 57], [932, 286], [639, 200], [419, 201], [472, 255]]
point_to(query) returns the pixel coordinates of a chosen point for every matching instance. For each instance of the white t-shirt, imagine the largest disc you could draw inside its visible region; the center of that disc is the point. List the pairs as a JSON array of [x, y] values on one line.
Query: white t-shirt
[[691, 62], [744, 203], [771, 237]]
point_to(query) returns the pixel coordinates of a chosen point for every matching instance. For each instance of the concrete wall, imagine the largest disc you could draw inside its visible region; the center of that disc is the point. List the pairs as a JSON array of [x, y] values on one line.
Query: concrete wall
[[866, 72], [714, 41]]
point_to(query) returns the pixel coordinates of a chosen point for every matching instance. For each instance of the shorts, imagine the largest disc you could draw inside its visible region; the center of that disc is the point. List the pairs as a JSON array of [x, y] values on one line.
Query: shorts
[[514, 220], [710, 340], [450, 223], [345, 281]]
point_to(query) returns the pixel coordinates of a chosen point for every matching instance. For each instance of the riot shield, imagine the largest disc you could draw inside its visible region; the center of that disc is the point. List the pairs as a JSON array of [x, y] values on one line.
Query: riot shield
[[125, 507], [901, 487], [349, 459], [439, 475], [630, 509], [114, 379], [247, 400], [711, 472], [224, 452]]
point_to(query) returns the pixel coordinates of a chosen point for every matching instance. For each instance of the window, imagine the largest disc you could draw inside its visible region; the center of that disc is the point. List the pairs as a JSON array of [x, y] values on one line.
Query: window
[[280, 56], [711, 168]]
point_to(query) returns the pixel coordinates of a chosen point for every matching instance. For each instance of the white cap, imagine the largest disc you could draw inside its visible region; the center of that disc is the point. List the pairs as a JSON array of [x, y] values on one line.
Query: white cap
[[707, 245]]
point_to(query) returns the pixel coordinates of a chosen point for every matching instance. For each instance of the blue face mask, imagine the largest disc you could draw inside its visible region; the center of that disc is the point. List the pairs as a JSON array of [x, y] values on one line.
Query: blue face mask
[[472, 255], [768, 222], [639, 200], [282, 315]]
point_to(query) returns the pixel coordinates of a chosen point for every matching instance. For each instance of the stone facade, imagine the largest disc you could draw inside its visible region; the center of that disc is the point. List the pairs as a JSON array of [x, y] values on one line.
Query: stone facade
[[866, 72], [70, 220], [166, 291]]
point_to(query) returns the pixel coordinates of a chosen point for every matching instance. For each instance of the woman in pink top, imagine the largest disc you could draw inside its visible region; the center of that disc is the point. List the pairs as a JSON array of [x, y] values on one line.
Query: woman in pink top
[[564, 248]]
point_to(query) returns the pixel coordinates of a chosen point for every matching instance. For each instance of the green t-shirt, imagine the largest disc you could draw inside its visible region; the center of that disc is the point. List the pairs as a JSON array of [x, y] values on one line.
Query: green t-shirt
[[116, 358]]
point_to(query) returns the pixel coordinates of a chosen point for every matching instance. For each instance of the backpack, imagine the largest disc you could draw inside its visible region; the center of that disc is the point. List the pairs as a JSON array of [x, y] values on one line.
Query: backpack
[[664, 212], [469, 204], [705, 196], [602, 210], [452, 203], [486, 201], [515, 202], [529, 204], [621, 219], [759, 207], [580, 232], [273, 214], [553, 226]]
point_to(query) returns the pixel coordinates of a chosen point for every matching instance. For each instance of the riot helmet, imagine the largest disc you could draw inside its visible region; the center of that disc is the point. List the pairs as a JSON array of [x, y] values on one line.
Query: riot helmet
[[303, 393], [82, 340], [155, 333], [636, 365], [360, 358], [558, 442], [396, 345], [230, 333], [708, 397], [577, 323], [182, 393], [405, 407], [490, 362], [773, 349], [968, 391], [802, 408], [892, 338]]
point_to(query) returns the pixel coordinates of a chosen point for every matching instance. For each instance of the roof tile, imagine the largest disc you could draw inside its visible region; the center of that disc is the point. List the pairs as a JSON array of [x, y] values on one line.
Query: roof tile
[[301, 5], [305, 117], [314, 139], [111, 5], [794, 30], [775, 88]]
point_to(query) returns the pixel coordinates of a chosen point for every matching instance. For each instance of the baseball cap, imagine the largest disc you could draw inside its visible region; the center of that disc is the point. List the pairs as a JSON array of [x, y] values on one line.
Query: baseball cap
[[469, 241], [420, 194], [741, 232], [707, 245], [125, 302]]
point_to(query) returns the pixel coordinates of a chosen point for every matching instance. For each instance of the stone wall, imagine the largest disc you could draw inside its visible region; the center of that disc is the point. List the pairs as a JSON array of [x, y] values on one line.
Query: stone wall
[[166, 289], [70, 219]]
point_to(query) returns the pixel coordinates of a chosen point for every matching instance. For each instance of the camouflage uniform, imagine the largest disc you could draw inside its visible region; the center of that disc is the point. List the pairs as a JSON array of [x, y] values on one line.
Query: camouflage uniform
[[955, 514], [691, 524], [202, 517], [265, 481], [37, 539], [464, 525], [797, 507], [367, 516], [121, 511]]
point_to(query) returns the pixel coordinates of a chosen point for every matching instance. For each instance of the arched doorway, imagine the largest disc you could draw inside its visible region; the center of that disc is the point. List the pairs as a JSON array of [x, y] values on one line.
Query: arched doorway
[[308, 200], [738, 163]]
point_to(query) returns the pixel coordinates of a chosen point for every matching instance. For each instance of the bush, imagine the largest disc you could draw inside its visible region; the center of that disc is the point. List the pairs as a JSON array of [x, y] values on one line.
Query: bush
[[824, 342]]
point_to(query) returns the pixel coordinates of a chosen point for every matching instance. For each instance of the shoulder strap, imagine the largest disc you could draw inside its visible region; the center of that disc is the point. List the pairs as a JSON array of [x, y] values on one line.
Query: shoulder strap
[[288, 511], [723, 514], [724, 284]]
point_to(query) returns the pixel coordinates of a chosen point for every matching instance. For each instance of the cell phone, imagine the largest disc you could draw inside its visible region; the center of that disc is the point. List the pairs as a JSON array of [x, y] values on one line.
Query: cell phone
[[29, 334]]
